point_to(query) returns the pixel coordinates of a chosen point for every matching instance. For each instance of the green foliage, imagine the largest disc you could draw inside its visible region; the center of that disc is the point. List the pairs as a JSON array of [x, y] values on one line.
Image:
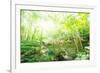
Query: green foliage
[[54, 36]]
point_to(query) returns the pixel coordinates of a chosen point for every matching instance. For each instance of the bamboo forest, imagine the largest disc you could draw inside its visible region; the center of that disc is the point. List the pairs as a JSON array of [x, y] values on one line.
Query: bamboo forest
[[47, 36]]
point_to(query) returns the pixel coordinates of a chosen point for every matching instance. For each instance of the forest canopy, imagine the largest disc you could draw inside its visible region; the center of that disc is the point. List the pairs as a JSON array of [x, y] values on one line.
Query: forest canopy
[[54, 36]]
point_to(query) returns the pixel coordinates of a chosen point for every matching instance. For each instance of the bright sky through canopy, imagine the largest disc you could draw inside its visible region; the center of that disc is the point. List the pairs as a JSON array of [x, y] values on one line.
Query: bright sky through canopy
[[47, 26]]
